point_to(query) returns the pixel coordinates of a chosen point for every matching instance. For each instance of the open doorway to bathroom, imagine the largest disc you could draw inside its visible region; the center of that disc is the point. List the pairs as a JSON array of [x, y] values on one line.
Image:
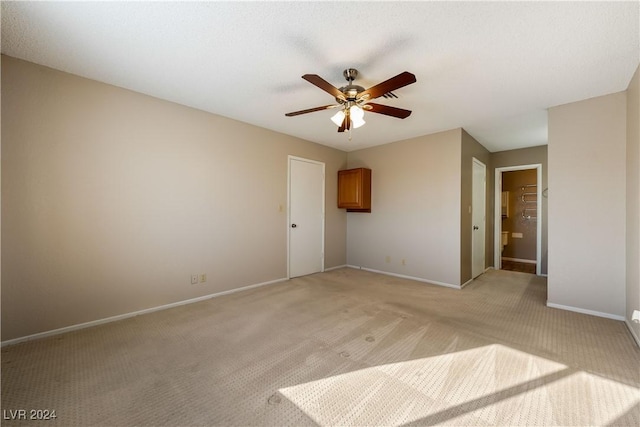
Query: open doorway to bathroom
[[518, 218]]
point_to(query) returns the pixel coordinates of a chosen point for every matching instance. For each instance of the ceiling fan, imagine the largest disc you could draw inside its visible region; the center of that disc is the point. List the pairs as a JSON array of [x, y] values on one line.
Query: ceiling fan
[[353, 100]]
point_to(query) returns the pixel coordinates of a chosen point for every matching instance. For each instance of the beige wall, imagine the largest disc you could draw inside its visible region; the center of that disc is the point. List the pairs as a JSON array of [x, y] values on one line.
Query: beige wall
[[111, 199], [415, 213], [513, 182], [470, 149], [633, 201], [587, 206]]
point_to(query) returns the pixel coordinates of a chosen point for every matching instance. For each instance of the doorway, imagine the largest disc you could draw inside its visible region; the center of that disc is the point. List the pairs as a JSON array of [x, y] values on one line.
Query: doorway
[[518, 218], [305, 224]]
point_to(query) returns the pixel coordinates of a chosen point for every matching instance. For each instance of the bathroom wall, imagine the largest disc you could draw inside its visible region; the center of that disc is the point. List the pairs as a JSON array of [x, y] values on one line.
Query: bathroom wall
[[520, 248]]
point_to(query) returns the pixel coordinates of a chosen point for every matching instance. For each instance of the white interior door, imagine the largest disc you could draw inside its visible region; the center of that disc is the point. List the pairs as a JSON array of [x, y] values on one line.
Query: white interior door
[[306, 217], [478, 218]]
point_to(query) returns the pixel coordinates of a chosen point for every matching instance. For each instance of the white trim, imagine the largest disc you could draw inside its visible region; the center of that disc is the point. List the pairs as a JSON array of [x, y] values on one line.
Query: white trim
[[526, 261], [539, 220], [498, 216], [585, 311], [633, 332], [324, 209], [337, 267], [133, 314], [404, 276]]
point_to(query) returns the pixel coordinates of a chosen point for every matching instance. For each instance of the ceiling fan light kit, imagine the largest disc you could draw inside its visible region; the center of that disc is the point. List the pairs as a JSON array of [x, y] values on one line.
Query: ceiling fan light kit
[[356, 114], [353, 100]]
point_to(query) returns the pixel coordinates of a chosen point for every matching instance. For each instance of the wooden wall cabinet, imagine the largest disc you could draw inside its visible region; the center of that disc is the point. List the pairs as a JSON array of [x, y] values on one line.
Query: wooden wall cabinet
[[354, 190]]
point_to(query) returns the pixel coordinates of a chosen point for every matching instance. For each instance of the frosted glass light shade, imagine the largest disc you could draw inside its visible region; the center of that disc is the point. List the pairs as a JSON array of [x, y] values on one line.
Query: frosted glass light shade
[[357, 116], [338, 118]]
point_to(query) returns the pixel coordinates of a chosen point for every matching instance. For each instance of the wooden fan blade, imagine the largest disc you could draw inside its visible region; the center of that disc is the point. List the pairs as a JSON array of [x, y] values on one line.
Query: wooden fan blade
[[311, 110], [387, 110], [316, 80], [401, 80], [346, 122]]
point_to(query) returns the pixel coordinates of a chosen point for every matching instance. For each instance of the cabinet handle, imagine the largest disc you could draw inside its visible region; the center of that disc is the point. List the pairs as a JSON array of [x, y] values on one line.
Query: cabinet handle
[[293, 225]]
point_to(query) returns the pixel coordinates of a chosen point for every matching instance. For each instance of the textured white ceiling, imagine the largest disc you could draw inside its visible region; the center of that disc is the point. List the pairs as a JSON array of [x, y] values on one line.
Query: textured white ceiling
[[490, 67]]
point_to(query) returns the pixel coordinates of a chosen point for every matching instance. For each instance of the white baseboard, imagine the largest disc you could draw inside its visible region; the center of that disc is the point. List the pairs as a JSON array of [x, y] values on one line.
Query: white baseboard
[[585, 311], [404, 276], [526, 261], [633, 332], [132, 314], [336, 267]]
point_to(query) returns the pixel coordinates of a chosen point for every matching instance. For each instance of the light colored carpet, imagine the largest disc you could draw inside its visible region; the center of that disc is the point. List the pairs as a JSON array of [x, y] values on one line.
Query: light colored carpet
[[347, 347]]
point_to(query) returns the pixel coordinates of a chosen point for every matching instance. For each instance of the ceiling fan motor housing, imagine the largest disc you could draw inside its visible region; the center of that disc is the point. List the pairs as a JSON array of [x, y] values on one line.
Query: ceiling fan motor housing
[[350, 91]]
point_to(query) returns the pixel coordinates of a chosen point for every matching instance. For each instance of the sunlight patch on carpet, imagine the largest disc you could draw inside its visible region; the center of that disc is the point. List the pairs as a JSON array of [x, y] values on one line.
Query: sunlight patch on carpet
[[483, 386]]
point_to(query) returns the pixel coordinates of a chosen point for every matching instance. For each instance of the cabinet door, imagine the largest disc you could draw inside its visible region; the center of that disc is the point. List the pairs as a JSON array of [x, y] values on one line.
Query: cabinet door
[[354, 190], [350, 188]]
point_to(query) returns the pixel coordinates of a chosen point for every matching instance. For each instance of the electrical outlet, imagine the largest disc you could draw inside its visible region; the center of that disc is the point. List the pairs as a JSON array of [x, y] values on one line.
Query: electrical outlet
[[194, 279], [387, 259], [203, 277]]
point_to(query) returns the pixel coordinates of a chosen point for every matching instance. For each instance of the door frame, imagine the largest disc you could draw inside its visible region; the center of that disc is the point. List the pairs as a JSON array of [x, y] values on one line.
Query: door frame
[[498, 214], [484, 221], [291, 158]]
